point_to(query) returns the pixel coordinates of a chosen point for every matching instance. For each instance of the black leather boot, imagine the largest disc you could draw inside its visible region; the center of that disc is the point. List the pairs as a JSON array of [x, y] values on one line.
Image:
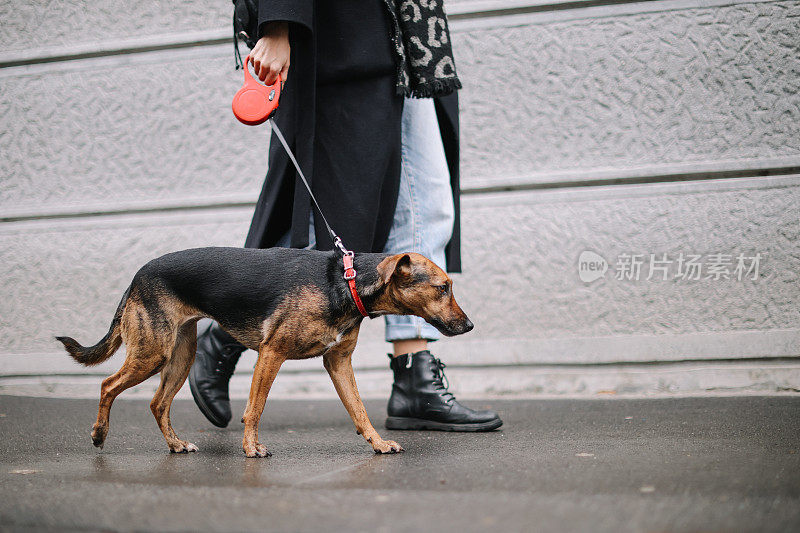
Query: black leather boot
[[420, 399], [217, 355]]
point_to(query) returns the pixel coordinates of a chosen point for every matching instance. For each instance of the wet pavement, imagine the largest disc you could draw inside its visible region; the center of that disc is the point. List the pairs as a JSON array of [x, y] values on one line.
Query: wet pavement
[[703, 464]]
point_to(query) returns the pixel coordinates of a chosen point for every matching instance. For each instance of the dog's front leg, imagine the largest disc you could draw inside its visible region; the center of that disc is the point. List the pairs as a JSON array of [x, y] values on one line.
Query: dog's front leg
[[267, 366], [340, 369]]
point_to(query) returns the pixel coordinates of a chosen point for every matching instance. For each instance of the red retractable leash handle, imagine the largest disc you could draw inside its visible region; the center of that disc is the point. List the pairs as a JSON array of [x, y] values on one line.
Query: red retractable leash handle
[[255, 103]]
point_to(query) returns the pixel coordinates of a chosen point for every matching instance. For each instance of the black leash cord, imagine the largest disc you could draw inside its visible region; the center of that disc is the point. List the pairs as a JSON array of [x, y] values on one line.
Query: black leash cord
[[337, 241]]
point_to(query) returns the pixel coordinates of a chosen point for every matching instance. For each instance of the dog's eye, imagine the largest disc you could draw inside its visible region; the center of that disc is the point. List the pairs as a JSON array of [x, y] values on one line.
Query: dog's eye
[[443, 289]]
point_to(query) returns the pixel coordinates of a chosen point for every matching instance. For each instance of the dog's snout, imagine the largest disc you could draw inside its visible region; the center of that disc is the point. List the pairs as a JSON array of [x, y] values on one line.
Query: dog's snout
[[468, 325]]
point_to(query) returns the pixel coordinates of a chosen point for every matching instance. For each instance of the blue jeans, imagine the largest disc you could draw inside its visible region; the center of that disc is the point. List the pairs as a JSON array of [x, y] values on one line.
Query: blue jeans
[[424, 216]]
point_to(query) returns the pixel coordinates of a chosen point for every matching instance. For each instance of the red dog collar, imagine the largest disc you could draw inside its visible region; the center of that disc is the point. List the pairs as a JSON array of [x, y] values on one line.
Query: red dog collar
[[350, 276]]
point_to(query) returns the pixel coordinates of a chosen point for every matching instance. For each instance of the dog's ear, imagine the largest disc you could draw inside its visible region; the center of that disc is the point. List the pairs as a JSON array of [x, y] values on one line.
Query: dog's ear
[[399, 265]]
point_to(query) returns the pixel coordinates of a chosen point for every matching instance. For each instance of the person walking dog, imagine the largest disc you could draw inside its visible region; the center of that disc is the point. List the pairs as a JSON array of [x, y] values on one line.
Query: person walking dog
[[370, 108]]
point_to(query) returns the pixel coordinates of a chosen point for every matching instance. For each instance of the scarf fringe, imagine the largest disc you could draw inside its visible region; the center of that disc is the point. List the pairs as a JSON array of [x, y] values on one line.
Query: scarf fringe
[[430, 89], [417, 33]]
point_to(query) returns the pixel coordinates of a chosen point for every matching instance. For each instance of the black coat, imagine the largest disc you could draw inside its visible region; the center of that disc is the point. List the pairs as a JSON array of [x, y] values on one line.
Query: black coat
[[341, 116]]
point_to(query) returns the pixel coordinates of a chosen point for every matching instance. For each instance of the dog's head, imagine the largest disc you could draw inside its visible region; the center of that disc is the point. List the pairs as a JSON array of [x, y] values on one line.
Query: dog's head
[[414, 285]]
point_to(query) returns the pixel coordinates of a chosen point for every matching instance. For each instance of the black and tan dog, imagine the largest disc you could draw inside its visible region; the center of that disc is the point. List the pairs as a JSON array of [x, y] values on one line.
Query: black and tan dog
[[283, 303]]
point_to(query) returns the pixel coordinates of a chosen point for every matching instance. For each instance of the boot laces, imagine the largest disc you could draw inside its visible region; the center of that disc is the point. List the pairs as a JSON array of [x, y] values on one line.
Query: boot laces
[[441, 382], [227, 363]]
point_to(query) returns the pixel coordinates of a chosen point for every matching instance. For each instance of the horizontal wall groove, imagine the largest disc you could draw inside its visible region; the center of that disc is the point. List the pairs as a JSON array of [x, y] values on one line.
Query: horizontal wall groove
[[638, 353], [769, 360], [463, 16], [474, 11], [84, 52], [564, 180], [168, 208], [635, 180]]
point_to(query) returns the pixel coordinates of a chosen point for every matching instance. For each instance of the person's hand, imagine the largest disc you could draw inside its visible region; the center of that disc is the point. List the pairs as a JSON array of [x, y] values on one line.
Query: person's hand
[[270, 55]]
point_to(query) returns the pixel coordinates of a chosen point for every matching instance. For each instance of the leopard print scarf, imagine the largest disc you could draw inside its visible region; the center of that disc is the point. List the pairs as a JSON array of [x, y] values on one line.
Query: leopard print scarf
[[421, 38]]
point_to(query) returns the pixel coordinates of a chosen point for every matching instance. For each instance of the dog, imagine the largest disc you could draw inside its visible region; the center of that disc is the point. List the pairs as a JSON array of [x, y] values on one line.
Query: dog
[[284, 303]]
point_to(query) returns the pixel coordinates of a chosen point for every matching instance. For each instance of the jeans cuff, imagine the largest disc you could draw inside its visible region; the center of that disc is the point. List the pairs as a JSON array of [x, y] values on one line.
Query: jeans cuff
[[405, 332]]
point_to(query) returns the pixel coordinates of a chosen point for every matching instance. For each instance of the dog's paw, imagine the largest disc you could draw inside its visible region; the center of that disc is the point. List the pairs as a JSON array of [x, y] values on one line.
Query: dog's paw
[[386, 446], [183, 446], [256, 450], [99, 434]]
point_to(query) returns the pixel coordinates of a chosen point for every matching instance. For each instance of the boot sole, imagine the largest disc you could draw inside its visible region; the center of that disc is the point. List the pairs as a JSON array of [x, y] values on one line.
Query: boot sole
[[201, 403], [403, 423]]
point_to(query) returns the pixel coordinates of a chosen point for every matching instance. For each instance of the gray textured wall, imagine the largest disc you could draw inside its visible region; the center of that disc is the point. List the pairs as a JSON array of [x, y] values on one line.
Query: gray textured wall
[[660, 127]]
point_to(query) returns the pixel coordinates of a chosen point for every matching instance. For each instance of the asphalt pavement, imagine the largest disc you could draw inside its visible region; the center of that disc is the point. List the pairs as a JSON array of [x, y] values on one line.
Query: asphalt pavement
[[701, 464]]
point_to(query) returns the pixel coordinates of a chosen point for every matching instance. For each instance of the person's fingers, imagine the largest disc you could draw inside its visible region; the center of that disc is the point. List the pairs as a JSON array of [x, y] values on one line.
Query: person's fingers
[[284, 72], [268, 70], [275, 69], [255, 54]]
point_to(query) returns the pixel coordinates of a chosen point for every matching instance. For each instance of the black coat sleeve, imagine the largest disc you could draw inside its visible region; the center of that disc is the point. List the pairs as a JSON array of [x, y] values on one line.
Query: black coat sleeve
[[296, 11]]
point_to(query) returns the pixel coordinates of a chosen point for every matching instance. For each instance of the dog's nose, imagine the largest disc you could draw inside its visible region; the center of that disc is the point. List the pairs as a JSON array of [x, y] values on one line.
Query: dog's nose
[[468, 326]]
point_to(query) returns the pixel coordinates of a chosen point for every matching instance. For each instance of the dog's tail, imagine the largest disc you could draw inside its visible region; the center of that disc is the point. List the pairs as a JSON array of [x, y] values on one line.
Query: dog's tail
[[94, 355]]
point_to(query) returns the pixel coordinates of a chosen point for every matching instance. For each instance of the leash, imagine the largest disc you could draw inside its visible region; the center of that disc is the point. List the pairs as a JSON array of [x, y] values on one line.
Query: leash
[[347, 255], [254, 104], [337, 241]]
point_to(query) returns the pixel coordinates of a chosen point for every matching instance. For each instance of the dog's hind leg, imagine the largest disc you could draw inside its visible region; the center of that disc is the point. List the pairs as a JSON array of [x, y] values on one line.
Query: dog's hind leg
[[132, 373], [173, 376], [267, 366], [144, 358]]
